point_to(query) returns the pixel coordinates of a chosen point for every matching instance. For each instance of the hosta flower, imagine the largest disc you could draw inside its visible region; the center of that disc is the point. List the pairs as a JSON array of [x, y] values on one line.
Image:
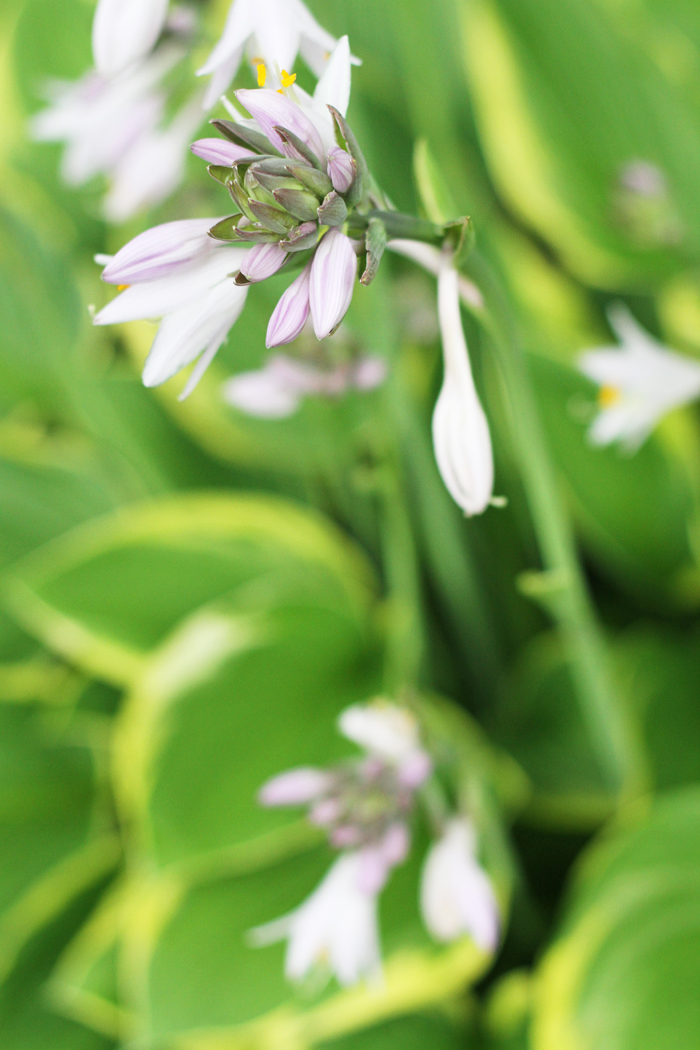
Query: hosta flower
[[363, 805], [288, 202], [456, 894], [178, 273], [639, 382], [277, 390], [335, 927], [273, 32], [153, 167], [100, 119], [125, 31], [460, 430], [115, 127]]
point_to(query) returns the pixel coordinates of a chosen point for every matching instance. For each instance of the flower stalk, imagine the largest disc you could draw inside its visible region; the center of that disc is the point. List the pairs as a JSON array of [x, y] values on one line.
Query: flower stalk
[[561, 587]]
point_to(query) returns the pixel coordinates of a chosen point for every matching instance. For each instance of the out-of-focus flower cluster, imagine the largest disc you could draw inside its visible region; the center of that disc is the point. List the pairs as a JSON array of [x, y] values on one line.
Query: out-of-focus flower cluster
[[365, 806]]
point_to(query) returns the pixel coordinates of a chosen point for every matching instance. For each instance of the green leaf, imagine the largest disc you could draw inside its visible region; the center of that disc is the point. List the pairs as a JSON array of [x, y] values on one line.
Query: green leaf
[[625, 968], [565, 102], [107, 594]]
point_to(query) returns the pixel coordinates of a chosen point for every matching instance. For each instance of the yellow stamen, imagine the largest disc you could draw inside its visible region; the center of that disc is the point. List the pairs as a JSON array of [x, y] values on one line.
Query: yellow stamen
[[280, 91], [288, 78], [123, 287], [608, 396], [262, 74]]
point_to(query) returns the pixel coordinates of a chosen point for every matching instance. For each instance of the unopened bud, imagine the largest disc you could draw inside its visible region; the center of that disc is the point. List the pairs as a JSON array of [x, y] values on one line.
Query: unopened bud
[[342, 169]]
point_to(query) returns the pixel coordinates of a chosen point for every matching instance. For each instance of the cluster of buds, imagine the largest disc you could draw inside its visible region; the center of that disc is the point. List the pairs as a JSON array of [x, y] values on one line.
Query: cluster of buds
[[304, 198], [364, 805]]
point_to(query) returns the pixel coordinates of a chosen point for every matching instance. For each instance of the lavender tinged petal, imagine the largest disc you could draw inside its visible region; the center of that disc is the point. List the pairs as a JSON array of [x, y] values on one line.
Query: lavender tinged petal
[[220, 151], [262, 261], [295, 787], [341, 169], [159, 251], [272, 110], [291, 312], [333, 273], [415, 770]]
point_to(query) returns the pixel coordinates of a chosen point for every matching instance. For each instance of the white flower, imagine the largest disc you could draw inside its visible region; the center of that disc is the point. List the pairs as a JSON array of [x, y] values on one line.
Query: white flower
[[639, 382], [125, 31], [336, 926], [390, 733], [277, 390], [153, 167], [460, 430], [191, 291], [100, 119], [274, 32], [456, 894]]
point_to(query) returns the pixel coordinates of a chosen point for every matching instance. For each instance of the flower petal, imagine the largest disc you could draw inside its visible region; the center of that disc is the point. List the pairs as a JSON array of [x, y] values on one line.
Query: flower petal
[[271, 110], [160, 251], [262, 261], [220, 151], [295, 787], [333, 89], [124, 31], [185, 334], [333, 274], [291, 312]]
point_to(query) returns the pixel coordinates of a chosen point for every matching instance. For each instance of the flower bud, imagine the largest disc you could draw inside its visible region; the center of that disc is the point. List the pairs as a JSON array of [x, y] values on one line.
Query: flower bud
[[291, 312], [341, 169], [262, 261]]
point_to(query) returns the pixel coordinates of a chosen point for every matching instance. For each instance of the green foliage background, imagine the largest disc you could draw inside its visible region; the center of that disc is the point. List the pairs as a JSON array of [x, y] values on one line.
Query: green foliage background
[[190, 596]]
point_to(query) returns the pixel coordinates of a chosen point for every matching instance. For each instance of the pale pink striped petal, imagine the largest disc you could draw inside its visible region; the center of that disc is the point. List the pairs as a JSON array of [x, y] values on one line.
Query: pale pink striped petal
[[341, 169], [271, 109], [295, 787], [291, 312], [220, 151], [160, 251], [262, 261], [333, 273]]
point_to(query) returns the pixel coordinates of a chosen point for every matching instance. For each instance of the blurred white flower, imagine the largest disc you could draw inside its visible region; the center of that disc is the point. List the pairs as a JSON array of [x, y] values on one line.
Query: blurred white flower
[[124, 32], [456, 894], [336, 926], [277, 390], [460, 430], [390, 733], [114, 127], [178, 273], [273, 32], [153, 167], [639, 382], [100, 119]]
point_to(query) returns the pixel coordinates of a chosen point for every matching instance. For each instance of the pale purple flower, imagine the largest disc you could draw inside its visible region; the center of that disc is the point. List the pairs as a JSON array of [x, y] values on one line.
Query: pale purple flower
[[125, 31], [273, 32], [335, 927], [220, 151], [457, 897], [197, 301], [460, 429], [295, 787], [333, 274], [270, 109], [100, 119], [262, 261], [153, 167], [341, 169], [277, 390]]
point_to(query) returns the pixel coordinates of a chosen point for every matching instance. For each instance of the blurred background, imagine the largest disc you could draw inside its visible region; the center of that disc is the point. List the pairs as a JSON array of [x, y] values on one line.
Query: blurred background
[[192, 593]]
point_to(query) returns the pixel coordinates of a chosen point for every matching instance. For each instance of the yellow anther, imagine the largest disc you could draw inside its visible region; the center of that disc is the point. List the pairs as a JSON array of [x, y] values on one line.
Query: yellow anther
[[262, 74], [123, 287], [288, 78], [608, 396]]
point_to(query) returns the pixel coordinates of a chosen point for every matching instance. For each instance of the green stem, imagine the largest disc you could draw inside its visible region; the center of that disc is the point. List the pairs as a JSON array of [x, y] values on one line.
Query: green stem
[[405, 633], [562, 587]]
